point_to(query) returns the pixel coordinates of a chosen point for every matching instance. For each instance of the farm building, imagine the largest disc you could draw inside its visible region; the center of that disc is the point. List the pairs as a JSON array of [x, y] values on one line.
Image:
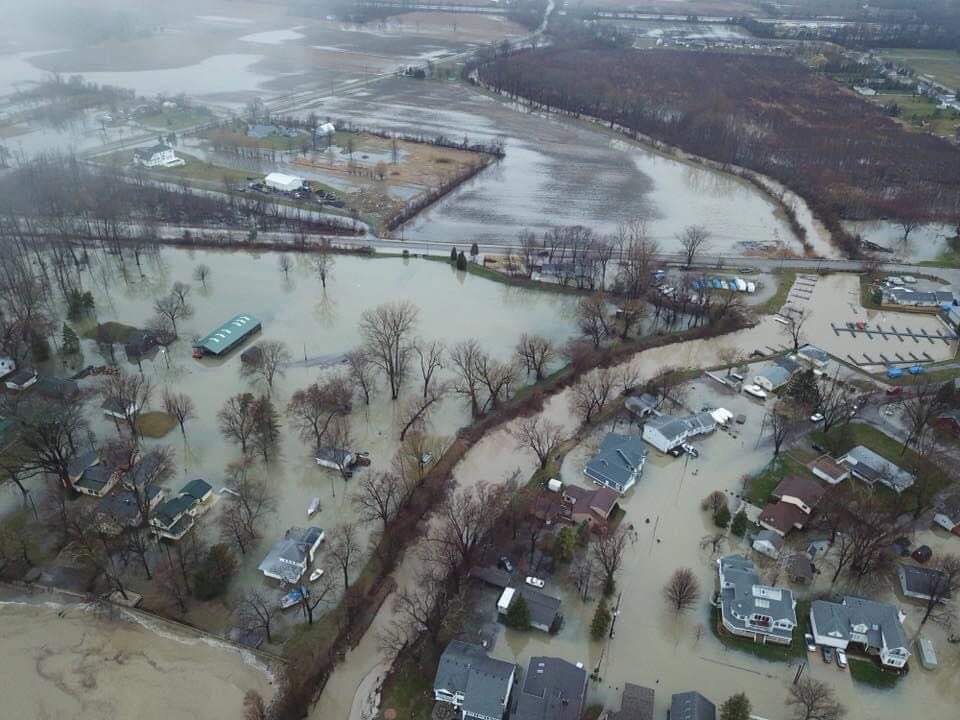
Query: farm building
[[226, 337]]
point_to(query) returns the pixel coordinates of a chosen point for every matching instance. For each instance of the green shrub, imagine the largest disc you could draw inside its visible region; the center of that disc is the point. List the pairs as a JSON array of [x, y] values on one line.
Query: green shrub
[[518, 616], [721, 517], [601, 621], [739, 525]]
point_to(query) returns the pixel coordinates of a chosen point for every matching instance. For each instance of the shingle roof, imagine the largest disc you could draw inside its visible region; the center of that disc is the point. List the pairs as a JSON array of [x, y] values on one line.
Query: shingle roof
[[807, 490], [691, 706], [553, 689], [881, 619], [197, 489], [482, 680], [875, 468], [742, 594], [618, 458], [782, 516], [918, 580], [636, 703], [543, 608]]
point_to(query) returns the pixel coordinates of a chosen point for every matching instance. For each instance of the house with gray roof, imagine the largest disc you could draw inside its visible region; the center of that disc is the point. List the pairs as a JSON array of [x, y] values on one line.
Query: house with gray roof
[[813, 356], [767, 542], [124, 508], [176, 516], [691, 706], [876, 627], [642, 405], [872, 468], [290, 556], [553, 689], [916, 298], [920, 583], [749, 608], [772, 376], [636, 703], [544, 609], [473, 682], [665, 432], [618, 462]]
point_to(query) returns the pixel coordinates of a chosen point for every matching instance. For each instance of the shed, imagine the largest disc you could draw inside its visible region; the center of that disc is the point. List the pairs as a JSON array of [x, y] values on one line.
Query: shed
[[926, 653], [283, 182]]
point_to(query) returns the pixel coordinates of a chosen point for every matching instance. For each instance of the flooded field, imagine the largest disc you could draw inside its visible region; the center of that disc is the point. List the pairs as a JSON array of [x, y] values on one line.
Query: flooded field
[[558, 172], [925, 242], [65, 662]]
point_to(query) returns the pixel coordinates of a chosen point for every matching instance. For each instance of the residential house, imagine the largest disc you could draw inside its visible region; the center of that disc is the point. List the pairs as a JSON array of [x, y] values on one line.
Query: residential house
[[749, 608], [948, 421], [813, 356], [552, 689], [139, 343], [795, 498], [114, 408], [774, 375], [56, 388], [326, 129], [176, 516], [544, 609], [159, 155], [473, 682], [769, 543], [800, 568], [94, 475], [122, 509], [590, 506], [290, 556], [691, 706], [871, 468], [334, 458], [636, 703], [916, 298], [665, 432], [618, 462], [21, 379], [920, 583], [829, 470], [641, 405], [875, 627], [947, 513]]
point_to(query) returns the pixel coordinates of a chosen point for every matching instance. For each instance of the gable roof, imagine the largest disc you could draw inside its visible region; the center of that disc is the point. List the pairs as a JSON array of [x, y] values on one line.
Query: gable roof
[[673, 429], [742, 594], [926, 582], [197, 489], [484, 681], [602, 500], [807, 490], [874, 468], [543, 608], [618, 459], [881, 620], [782, 517], [636, 703], [770, 537]]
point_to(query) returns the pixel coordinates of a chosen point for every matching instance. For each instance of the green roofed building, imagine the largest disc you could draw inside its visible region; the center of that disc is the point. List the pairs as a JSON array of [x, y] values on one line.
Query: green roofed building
[[226, 337]]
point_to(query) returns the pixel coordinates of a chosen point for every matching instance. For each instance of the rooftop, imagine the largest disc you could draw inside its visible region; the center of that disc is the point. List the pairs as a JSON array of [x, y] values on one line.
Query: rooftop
[[484, 681], [636, 703], [877, 620], [618, 460], [916, 581], [553, 689], [691, 706], [807, 490], [543, 608], [743, 596], [289, 555], [874, 468], [149, 152], [782, 516], [228, 334]]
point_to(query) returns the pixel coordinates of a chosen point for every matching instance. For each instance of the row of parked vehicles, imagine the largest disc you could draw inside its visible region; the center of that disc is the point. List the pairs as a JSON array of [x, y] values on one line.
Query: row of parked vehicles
[[828, 653]]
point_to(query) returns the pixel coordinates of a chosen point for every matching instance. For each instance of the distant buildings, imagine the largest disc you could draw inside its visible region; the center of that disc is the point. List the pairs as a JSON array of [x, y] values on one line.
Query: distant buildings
[[749, 608], [916, 298], [618, 462], [873, 626], [473, 682], [160, 155]]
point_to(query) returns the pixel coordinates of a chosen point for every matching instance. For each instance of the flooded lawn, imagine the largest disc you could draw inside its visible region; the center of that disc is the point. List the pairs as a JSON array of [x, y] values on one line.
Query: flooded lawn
[[69, 663], [558, 172]]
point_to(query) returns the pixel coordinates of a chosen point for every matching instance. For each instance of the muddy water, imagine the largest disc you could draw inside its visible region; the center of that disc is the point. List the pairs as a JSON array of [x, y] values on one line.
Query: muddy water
[[925, 242], [67, 663], [559, 172], [651, 647]]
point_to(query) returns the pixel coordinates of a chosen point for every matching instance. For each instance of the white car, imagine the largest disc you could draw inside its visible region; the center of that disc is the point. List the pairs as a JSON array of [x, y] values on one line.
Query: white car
[[909, 279], [841, 658], [535, 582], [816, 417], [756, 391]]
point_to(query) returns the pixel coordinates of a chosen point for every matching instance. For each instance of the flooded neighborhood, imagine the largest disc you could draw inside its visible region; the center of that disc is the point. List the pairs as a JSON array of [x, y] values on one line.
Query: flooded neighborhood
[[505, 360]]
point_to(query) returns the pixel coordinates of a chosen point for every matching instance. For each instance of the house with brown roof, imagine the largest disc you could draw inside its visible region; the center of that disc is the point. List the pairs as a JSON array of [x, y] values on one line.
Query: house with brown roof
[[781, 518], [829, 470], [574, 505], [805, 493]]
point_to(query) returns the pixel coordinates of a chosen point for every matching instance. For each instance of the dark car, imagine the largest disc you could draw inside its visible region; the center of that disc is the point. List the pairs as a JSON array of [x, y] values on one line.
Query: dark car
[[922, 554], [504, 564], [827, 653], [894, 390]]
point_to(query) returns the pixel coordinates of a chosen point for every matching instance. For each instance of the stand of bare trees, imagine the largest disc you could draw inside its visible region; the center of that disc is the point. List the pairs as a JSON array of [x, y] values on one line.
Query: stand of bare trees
[[482, 379], [542, 437], [313, 410], [387, 331]]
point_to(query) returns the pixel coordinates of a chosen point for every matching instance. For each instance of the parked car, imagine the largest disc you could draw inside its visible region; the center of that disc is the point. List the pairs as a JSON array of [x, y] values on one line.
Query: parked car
[[909, 279], [504, 564], [922, 554], [811, 643], [676, 451], [841, 659], [535, 582], [816, 417], [690, 450], [756, 391], [827, 653]]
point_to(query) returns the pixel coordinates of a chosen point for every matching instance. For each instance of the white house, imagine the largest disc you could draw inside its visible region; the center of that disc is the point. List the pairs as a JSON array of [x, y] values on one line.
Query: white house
[[160, 155], [874, 626], [283, 182], [751, 609], [767, 542], [289, 557]]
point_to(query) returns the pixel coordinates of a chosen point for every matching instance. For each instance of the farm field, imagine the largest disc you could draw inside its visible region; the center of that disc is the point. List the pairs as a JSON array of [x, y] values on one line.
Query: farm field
[[942, 65]]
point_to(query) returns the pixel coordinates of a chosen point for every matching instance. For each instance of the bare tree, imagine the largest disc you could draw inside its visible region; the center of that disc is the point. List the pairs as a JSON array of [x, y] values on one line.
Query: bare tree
[[173, 307], [730, 355], [793, 327], [126, 394], [266, 426], [236, 419], [256, 613], [682, 590], [942, 587], [608, 551], [181, 406], [483, 380], [430, 355], [535, 352], [312, 410], [538, 435], [250, 503], [361, 370], [345, 550], [387, 330], [285, 265], [923, 403], [593, 392], [813, 699], [529, 249], [378, 498], [417, 410], [785, 421], [593, 318], [425, 608], [269, 363], [201, 273], [323, 262], [693, 239], [319, 592]]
